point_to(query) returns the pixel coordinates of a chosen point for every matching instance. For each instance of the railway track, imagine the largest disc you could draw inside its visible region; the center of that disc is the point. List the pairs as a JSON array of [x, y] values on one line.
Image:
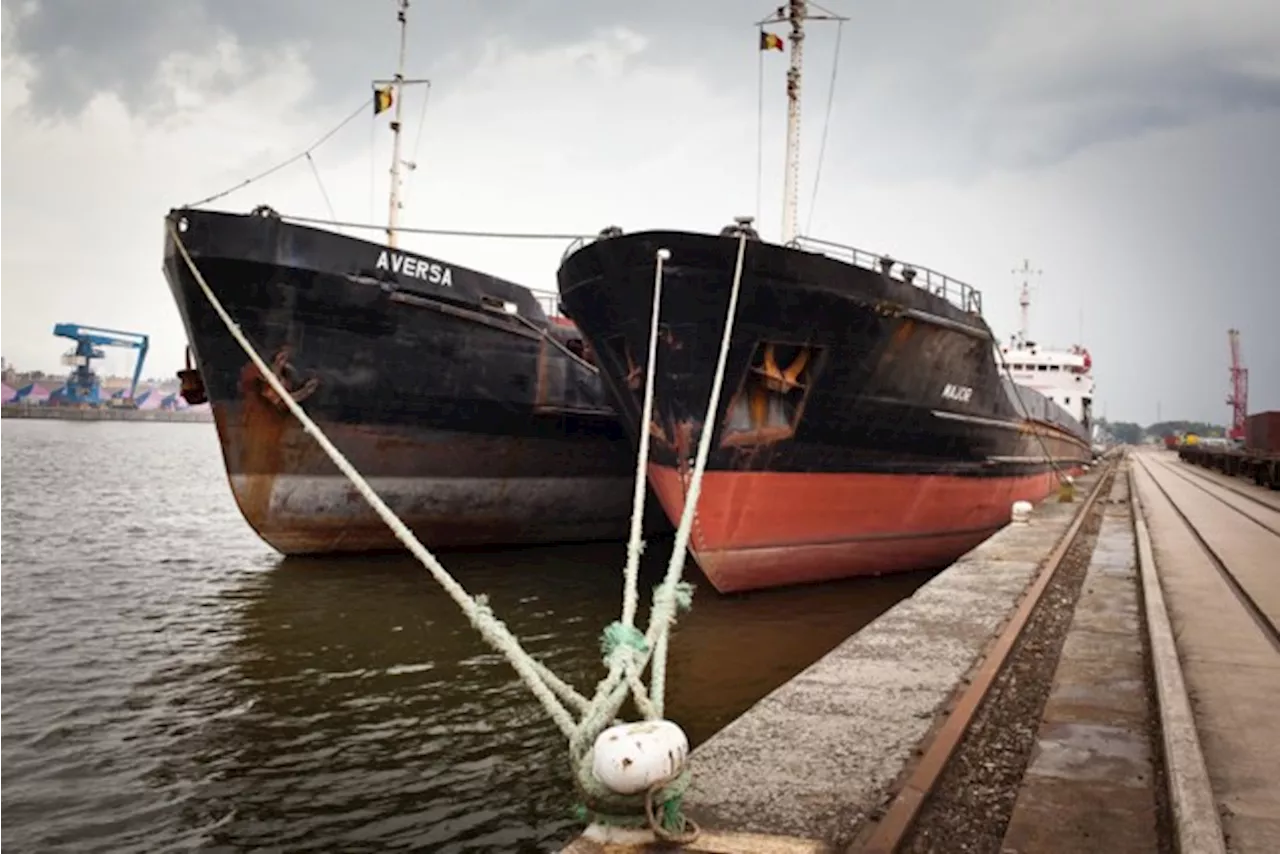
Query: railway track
[[894, 830], [1245, 585], [1237, 533], [1257, 495]]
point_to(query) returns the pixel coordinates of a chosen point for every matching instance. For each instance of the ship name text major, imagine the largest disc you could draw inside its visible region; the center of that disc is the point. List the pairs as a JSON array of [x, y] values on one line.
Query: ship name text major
[[958, 393]]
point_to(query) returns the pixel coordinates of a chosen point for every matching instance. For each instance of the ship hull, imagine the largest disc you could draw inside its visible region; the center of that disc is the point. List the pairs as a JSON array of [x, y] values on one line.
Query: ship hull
[[765, 529], [477, 427], [864, 426]]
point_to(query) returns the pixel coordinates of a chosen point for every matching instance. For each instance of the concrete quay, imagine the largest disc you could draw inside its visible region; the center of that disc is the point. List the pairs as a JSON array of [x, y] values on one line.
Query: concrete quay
[[1157, 731]]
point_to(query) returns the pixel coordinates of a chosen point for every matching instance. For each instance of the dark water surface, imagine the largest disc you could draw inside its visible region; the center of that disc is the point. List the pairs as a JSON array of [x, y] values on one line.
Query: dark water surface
[[171, 683]]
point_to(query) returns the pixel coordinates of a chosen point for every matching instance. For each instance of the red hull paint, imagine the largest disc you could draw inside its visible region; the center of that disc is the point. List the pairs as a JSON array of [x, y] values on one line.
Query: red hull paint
[[769, 529]]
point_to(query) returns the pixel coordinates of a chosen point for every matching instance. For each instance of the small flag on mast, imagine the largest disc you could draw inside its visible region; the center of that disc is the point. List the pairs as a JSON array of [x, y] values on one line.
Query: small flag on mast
[[768, 41], [381, 99]]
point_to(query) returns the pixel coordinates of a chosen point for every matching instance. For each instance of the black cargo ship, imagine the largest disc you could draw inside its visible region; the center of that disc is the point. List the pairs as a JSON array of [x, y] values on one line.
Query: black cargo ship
[[476, 417], [866, 424]]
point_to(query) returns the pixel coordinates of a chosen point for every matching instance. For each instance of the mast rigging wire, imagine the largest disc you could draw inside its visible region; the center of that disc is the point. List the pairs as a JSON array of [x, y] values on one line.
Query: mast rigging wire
[[294, 159], [826, 124], [417, 142], [439, 232], [759, 125], [320, 183]]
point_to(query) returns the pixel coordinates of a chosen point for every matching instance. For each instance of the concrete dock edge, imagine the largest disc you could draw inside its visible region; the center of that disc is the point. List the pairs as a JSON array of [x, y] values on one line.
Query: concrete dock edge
[[1195, 812]]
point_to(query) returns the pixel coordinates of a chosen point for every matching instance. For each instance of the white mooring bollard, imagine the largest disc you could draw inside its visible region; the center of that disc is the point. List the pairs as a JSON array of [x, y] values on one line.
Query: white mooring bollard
[[1021, 512], [633, 758]]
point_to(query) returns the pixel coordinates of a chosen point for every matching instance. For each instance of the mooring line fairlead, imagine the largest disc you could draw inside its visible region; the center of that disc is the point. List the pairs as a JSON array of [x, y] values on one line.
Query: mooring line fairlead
[[612, 798]]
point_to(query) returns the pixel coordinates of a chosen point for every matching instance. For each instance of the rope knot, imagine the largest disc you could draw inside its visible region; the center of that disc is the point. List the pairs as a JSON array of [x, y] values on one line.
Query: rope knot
[[680, 595], [622, 643], [483, 613]]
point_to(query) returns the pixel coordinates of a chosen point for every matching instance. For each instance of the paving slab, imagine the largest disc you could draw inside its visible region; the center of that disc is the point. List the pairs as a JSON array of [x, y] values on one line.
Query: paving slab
[[1090, 783]]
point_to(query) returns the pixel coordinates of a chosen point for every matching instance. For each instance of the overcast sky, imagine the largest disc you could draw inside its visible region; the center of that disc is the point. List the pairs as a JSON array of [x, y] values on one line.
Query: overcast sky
[[1130, 150]]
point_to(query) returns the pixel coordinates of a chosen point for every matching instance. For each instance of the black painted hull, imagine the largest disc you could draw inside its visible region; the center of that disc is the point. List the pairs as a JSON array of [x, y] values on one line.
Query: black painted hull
[[475, 424], [839, 379]]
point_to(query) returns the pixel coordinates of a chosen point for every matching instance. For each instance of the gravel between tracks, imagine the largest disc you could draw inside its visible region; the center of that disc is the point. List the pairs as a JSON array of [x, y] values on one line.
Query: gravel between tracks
[[970, 807]]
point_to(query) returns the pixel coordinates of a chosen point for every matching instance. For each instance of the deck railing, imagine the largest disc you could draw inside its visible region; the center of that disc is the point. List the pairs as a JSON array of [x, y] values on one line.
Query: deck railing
[[965, 296], [549, 300]]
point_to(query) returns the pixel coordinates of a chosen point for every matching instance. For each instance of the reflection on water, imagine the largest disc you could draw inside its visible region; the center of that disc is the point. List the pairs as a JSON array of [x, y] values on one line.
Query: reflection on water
[[193, 689]]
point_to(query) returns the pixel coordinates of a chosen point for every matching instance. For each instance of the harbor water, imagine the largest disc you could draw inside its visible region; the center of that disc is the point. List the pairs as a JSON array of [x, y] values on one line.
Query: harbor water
[[171, 683]]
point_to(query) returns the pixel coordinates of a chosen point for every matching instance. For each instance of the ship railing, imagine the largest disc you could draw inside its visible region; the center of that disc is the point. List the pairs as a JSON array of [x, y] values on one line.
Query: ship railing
[[576, 244], [548, 300], [966, 297]]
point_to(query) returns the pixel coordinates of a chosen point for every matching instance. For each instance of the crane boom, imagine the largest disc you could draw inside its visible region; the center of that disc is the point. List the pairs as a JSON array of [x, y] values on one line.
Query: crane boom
[[82, 383], [1238, 400]]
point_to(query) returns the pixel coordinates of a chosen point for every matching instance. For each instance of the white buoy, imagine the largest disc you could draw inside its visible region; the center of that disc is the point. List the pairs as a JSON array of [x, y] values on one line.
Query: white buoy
[[632, 758], [1021, 512]]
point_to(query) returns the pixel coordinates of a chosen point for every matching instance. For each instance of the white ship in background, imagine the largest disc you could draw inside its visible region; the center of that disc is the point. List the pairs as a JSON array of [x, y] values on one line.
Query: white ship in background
[[1064, 376]]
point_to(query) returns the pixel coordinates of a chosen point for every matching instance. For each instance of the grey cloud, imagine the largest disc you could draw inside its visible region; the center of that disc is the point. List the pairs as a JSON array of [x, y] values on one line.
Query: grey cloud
[[79, 48], [940, 88]]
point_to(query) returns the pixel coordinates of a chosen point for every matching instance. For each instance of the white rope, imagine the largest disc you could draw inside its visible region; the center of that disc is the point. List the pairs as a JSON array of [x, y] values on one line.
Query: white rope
[[541, 681], [613, 688], [664, 600], [635, 545], [624, 669], [626, 658]]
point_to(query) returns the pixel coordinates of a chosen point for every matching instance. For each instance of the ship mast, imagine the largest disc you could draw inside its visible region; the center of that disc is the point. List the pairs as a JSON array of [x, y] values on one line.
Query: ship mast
[[795, 13], [397, 89], [395, 86], [791, 185], [1024, 301]]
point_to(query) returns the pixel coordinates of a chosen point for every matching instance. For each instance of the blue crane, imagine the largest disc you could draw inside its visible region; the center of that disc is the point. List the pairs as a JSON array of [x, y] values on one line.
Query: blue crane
[[82, 383]]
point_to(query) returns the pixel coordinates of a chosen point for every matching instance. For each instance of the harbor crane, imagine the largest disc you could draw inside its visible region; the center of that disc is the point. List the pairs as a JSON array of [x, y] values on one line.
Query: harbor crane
[[1238, 400], [82, 383]]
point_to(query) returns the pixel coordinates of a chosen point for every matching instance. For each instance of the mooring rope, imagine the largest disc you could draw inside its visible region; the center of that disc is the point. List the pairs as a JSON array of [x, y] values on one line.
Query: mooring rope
[[680, 548], [541, 681], [635, 542], [627, 652]]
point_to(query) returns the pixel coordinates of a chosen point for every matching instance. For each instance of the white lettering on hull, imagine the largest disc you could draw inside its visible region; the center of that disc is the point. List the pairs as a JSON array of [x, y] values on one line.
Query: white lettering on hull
[[958, 393], [416, 268]]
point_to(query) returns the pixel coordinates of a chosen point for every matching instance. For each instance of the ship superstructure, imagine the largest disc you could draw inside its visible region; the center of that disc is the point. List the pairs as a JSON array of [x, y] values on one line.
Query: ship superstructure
[[1064, 375]]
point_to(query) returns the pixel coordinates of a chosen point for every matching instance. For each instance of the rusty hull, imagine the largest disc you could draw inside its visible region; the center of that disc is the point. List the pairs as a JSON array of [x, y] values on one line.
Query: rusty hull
[[477, 421]]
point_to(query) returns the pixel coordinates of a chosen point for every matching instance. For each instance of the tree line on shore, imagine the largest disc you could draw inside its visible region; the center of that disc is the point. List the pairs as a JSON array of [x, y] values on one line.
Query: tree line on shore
[[1135, 434]]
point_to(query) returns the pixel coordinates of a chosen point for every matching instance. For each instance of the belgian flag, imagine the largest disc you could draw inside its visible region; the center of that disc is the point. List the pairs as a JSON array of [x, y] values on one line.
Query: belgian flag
[[381, 99], [768, 41]]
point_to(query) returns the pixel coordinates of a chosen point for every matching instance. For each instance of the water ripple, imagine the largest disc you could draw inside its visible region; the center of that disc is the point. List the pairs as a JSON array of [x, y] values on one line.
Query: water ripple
[[170, 683]]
